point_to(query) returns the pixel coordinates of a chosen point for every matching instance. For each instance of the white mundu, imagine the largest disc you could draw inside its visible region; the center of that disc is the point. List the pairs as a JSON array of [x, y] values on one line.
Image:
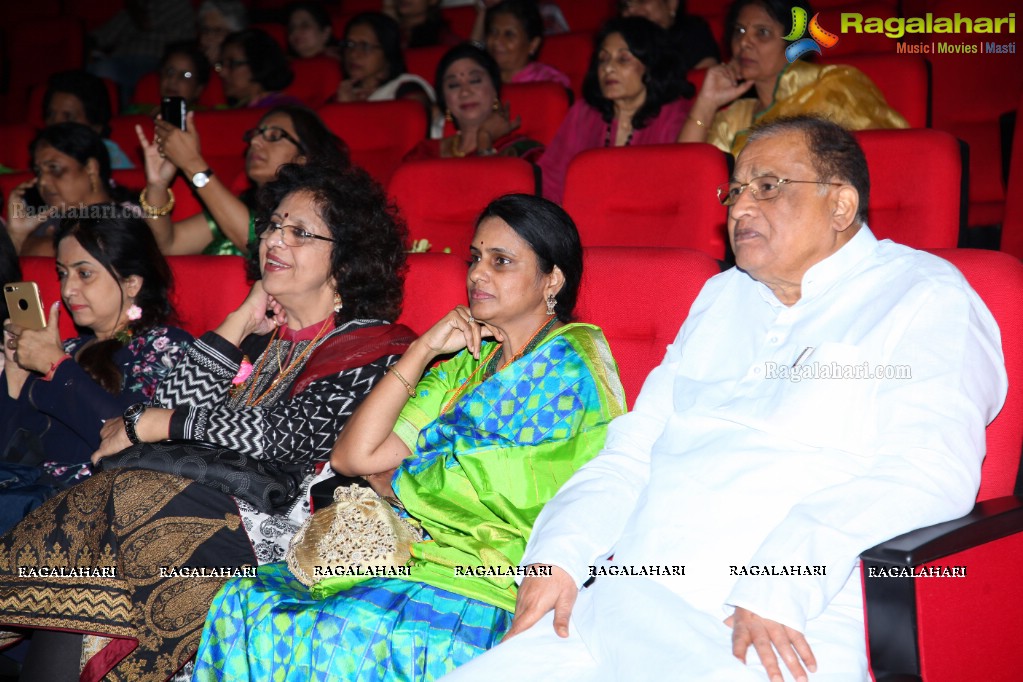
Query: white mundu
[[744, 478]]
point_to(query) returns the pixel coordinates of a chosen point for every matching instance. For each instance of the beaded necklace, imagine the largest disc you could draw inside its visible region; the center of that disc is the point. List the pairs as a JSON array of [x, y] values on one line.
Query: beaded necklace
[[493, 360], [283, 372], [607, 137]]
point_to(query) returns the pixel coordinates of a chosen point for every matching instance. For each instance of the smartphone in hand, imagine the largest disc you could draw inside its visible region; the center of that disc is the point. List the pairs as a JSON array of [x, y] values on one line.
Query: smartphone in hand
[[172, 110], [24, 305]]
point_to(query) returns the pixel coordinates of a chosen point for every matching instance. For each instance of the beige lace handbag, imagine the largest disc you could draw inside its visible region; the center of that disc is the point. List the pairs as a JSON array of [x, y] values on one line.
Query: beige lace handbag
[[360, 530]]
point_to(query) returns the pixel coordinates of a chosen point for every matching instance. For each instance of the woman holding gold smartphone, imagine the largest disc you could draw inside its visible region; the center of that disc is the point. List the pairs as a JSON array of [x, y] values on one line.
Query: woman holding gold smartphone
[[115, 284]]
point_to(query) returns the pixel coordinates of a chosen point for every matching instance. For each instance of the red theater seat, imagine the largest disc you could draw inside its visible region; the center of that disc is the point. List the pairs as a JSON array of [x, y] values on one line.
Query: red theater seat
[[569, 52], [441, 198], [651, 195], [640, 297], [945, 629], [916, 186], [1012, 228], [378, 134], [435, 284], [316, 80], [542, 107], [220, 136], [14, 141], [423, 61]]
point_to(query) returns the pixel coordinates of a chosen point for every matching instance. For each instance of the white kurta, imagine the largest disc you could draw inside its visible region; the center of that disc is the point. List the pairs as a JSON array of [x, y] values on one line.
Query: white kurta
[[726, 463]]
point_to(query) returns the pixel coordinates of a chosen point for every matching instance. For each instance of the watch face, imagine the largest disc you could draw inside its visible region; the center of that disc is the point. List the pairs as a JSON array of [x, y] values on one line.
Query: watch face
[[200, 179], [133, 412]]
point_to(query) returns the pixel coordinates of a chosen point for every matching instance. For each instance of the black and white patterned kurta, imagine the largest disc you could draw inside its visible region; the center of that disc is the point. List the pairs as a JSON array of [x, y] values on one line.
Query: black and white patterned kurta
[[299, 429]]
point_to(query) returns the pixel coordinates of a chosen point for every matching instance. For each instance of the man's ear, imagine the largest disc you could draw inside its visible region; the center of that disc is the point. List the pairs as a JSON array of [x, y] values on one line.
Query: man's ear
[[845, 208]]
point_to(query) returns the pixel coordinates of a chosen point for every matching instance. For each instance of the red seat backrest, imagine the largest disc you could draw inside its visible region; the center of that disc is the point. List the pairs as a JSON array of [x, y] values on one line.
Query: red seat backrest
[[220, 136], [998, 278], [316, 80], [122, 131], [38, 49], [378, 134], [650, 195], [570, 53], [641, 323], [542, 107], [276, 31], [460, 19], [440, 199], [434, 284], [1012, 227], [587, 15], [206, 289], [903, 79], [423, 61], [915, 186], [14, 141]]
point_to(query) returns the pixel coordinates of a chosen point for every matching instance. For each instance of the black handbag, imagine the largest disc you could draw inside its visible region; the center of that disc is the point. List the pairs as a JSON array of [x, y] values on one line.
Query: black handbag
[[270, 487]]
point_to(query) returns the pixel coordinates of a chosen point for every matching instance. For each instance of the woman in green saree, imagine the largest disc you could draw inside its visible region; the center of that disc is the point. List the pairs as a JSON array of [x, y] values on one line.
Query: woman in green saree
[[479, 446]]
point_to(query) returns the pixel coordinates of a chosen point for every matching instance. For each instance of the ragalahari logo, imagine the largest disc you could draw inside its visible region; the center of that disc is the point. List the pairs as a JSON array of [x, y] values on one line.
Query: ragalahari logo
[[818, 36]]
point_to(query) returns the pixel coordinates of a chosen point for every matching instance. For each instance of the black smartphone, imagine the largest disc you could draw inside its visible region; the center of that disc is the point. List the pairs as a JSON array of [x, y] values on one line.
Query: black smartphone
[[172, 110]]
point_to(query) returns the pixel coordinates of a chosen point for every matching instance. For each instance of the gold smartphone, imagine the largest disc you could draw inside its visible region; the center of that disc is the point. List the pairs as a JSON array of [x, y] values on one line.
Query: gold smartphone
[[24, 305]]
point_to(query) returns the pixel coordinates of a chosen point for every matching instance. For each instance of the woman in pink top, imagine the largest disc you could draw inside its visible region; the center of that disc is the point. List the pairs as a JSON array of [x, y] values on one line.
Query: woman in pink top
[[514, 35], [633, 94]]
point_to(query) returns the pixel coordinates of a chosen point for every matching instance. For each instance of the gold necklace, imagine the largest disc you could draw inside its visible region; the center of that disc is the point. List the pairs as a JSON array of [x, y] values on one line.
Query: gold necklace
[[286, 371]]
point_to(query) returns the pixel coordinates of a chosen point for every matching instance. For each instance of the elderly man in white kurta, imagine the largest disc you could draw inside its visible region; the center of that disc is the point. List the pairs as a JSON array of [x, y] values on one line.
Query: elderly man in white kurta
[[748, 462]]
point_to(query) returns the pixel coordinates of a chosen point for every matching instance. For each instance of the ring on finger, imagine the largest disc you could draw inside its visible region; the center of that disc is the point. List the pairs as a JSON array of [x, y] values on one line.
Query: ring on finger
[[472, 320]]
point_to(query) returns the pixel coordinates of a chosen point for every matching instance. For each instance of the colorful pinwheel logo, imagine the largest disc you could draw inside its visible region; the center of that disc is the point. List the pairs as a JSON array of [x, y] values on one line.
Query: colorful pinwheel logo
[[818, 36]]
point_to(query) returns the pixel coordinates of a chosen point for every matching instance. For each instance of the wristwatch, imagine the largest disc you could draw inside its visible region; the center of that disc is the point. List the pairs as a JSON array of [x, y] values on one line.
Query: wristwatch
[[131, 419], [202, 178]]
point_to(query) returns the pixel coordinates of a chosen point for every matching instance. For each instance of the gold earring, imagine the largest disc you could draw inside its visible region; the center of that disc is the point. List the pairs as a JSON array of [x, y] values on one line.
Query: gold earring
[[448, 117], [338, 303], [496, 106]]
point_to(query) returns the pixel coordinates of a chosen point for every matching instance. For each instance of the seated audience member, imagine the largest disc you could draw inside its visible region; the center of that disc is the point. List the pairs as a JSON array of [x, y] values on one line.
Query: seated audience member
[[115, 283], [469, 87], [184, 72], [421, 23], [72, 172], [514, 36], [471, 470], [729, 467], [287, 134], [551, 17], [131, 42], [757, 29], [217, 19], [632, 94], [374, 65], [690, 35], [80, 97], [331, 255], [310, 31], [254, 70]]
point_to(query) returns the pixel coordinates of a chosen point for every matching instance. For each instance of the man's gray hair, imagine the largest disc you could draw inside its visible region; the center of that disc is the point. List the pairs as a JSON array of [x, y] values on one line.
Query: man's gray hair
[[233, 11], [834, 152]]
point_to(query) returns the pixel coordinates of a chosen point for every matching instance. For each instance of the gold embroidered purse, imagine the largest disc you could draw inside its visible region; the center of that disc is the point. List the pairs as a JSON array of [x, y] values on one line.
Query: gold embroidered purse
[[358, 533]]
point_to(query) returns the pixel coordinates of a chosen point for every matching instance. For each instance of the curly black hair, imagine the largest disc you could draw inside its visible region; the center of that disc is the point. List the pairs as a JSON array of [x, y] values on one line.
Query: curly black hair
[[368, 260], [663, 78]]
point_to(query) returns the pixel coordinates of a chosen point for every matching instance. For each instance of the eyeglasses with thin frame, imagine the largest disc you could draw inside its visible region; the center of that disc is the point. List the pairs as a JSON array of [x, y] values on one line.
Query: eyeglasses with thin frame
[[359, 46], [272, 134], [171, 72], [763, 188], [291, 235]]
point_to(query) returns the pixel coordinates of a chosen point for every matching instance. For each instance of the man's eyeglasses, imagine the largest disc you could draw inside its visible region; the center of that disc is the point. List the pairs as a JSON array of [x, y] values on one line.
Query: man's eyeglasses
[[272, 134], [764, 187], [360, 46], [291, 235]]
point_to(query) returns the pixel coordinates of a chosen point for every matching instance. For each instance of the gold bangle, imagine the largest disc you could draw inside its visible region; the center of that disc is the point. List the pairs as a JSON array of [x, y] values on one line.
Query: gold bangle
[[697, 121], [152, 211], [408, 386]]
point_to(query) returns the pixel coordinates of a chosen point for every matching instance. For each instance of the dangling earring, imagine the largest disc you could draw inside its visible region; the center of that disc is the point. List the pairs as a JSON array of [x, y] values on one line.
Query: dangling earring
[[496, 106], [551, 302], [134, 312], [338, 303]]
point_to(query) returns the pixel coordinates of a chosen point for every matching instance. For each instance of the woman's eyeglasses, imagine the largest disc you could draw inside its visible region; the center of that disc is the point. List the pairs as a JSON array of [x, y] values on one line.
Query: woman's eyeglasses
[[171, 72], [272, 134], [360, 46], [291, 235]]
